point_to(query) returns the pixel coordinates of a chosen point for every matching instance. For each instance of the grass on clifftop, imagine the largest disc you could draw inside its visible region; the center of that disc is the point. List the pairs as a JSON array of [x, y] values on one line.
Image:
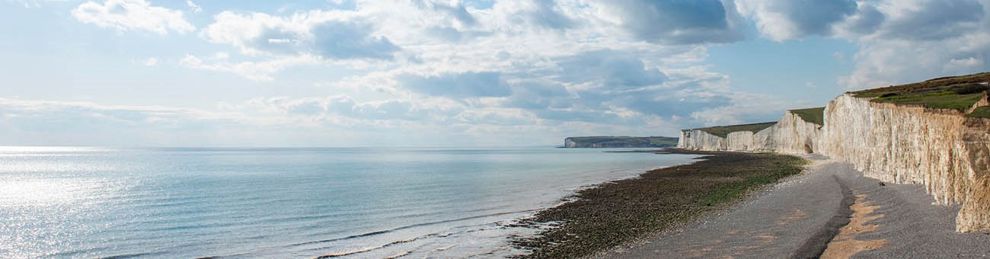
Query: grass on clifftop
[[813, 115], [622, 211], [723, 131], [936, 99], [925, 85], [981, 112], [954, 92]]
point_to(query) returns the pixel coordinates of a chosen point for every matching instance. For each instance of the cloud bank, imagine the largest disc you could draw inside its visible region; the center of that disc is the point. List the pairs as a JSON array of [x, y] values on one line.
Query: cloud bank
[[366, 69], [127, 15]]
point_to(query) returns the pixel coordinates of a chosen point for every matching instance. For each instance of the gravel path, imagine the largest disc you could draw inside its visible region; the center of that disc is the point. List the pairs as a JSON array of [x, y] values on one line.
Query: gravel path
[[795, 218], [912, 226]]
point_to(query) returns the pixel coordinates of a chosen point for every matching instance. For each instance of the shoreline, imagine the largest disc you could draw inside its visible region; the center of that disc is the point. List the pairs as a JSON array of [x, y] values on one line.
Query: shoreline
[[511, 227], [617, 212]]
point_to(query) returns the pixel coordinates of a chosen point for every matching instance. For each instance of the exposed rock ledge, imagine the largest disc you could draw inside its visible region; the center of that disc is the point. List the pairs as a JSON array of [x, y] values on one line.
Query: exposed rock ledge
[[944, 150]]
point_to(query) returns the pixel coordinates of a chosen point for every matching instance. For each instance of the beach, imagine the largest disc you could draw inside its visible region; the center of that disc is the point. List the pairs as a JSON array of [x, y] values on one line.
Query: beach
[[829, 211], [622, 211]]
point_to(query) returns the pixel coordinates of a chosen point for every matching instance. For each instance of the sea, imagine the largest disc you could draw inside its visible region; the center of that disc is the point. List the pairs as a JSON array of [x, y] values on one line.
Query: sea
[[87, 202]]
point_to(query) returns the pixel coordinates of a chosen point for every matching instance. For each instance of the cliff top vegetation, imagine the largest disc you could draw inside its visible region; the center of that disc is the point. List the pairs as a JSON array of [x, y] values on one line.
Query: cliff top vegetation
[[981, 112], [814, 115], [723, 131], [954, 92], [924, 86], [936, 99]]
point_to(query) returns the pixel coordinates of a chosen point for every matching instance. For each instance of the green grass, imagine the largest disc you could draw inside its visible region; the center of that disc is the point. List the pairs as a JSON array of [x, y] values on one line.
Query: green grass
[[953, 92], [944, 98], [925, 85], [663, 141], [813, 115], [736, 190], [723, 131], [981, 112]]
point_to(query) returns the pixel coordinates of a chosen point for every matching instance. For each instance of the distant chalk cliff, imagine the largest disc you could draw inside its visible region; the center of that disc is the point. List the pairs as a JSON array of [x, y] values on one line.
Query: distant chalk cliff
[[618, 142]]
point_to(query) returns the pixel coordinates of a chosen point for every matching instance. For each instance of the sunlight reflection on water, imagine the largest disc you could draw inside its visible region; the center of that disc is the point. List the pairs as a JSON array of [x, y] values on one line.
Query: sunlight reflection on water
[[47, 196], [185, 203], [50, 192]]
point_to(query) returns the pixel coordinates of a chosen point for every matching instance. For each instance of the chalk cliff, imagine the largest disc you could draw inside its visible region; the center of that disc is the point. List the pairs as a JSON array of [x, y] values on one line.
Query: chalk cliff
[[699, 139], [790, 134], [943, 149], [794, 135]]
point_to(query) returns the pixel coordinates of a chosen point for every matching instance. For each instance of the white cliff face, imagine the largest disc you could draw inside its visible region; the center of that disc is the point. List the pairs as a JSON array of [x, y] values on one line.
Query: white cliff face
[[898, 144], [700, 140], [761, 141], [943, 150], [904, 144], [975, 212], [735, 141], [790, 135], [796, 136]]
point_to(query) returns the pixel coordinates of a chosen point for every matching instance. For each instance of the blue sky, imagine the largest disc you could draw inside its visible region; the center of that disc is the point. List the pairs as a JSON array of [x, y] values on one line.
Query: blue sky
[[448, 72]]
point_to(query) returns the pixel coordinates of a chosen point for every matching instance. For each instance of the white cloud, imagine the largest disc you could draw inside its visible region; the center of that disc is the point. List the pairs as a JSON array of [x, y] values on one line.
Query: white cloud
[[964, 63], [331, 35], [744, 108], [783, 20], [458, 85], [34, 122], [929, 19], [898, 41], [193, 6], [880, 63], [442, 36], [340, 108], [616, 66], [254, 70], [152, 61], [281, 121], [942, 38], [126, 15], [675, 22]]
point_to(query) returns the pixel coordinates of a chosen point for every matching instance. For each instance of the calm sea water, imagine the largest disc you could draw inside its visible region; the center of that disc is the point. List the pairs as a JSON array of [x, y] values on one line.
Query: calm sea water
[[357, 202]]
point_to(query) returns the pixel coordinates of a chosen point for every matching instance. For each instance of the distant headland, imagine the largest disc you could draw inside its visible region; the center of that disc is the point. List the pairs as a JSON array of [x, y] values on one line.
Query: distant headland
[[618, 142]]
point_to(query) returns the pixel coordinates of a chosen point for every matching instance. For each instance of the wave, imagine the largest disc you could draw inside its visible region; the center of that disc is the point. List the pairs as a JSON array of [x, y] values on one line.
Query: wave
[[381, 232], [369, 249]]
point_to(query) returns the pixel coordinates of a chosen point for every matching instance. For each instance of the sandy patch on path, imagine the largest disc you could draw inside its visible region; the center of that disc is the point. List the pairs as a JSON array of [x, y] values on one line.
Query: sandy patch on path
[[845, 244]]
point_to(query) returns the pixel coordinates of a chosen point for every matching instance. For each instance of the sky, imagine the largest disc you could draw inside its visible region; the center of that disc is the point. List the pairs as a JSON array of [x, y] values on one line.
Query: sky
[[346, 73]]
